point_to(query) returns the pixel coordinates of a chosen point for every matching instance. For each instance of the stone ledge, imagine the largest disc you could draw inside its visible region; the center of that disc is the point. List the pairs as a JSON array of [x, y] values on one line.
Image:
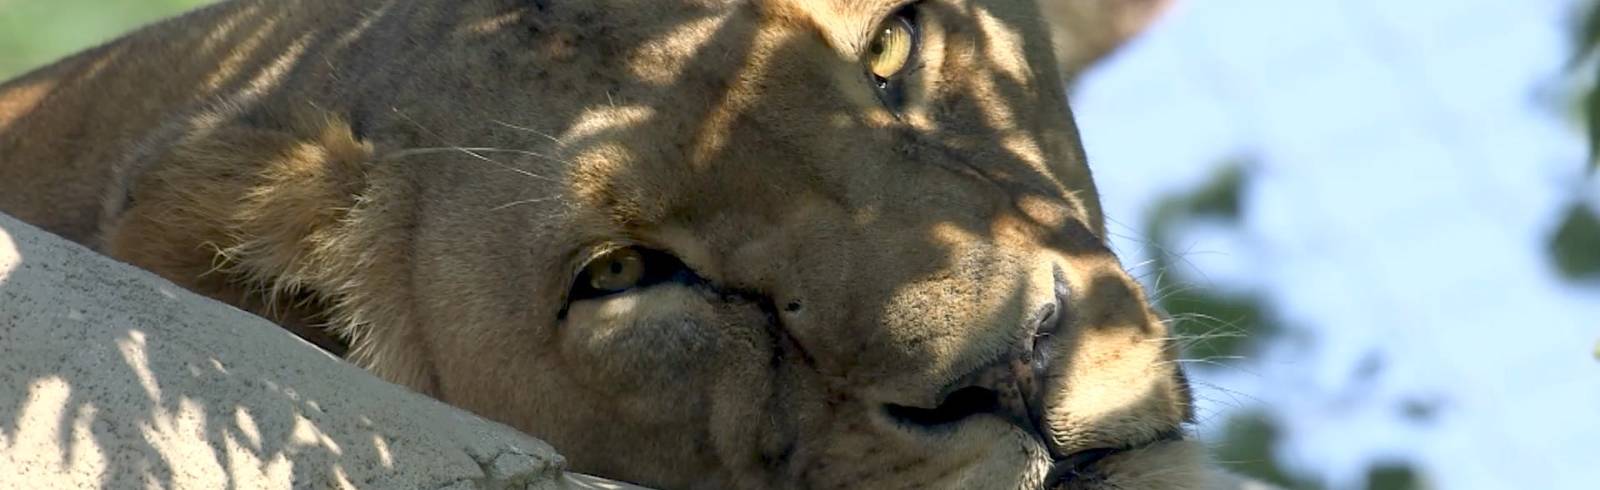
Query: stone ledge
[[111, 377]]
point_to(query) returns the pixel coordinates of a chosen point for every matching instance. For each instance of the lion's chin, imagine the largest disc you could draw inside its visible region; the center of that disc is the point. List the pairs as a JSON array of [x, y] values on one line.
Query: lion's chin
[[1014, 461], [1176, 465], [1021, 462]]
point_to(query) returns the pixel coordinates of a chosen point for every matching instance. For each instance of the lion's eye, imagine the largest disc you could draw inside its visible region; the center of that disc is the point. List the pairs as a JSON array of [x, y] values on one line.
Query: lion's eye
[[626, 269], [616, 270], [893, 46]]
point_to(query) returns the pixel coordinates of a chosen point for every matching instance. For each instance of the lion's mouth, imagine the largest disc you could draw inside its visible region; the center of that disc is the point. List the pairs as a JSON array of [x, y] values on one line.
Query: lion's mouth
[[1075, 466], [1085, 466]]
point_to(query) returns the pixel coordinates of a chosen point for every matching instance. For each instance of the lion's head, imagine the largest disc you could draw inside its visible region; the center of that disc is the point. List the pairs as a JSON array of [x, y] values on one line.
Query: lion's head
[[786, 244], [698, 243]]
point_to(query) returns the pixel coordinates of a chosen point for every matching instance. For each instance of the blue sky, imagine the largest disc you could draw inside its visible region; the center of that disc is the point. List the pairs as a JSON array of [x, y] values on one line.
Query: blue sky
[[1412, 159]]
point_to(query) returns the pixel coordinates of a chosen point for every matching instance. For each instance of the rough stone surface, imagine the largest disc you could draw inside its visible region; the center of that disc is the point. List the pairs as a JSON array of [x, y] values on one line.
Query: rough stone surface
[[111, 377]]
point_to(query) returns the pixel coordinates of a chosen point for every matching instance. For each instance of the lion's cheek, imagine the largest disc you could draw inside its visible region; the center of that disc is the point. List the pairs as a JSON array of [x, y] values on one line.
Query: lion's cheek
[[662, 350]]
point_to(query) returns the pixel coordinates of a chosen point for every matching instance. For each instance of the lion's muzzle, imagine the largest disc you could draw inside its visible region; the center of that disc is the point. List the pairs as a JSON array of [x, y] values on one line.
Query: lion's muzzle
[[1011, 387]]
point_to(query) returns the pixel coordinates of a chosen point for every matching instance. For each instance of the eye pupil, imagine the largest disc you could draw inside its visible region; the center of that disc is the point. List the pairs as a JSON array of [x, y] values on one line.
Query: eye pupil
[[618, 270]]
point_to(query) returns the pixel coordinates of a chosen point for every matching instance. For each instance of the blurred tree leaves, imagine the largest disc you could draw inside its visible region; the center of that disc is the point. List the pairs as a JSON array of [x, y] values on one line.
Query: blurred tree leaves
[[1588, 45], [33, 32], [1575, 244], [1249, 446], [1219, 327], [1393, 476], [1214, 324], [1252, 440]]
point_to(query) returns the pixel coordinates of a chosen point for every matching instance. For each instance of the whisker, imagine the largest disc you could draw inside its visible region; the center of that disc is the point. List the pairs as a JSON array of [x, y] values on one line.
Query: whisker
[[1163, 293], [1233, 395], [1213, 326], [1214, 361], [1197, 338], [480, 149], [553, 139], [475, 153], [525, 201]]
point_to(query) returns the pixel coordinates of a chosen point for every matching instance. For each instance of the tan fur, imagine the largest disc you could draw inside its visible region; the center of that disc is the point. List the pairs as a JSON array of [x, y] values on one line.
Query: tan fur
[[423, 178]]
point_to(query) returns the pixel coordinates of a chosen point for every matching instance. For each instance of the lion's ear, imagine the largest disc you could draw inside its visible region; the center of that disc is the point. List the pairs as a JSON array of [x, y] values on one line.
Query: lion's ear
[[1086, 31]]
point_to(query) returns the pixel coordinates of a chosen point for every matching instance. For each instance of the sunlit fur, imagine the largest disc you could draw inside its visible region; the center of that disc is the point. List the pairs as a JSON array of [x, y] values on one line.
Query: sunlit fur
[[423, 178]]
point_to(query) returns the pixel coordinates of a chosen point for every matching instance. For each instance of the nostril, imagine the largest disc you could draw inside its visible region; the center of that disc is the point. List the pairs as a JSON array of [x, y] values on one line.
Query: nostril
[[962, 403], [1048, 323], [1047, 319]]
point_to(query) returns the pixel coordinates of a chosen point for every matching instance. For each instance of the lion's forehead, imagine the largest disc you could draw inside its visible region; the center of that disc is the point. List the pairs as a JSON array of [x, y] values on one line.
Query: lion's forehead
[[724, 100]]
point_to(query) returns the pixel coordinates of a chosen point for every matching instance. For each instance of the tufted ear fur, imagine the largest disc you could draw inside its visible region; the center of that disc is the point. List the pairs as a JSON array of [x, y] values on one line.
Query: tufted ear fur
[[290, 219], [1088, 30]]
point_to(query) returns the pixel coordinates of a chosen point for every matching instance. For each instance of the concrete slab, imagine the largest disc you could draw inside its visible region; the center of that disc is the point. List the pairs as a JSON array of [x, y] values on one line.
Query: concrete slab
[[111, 377]]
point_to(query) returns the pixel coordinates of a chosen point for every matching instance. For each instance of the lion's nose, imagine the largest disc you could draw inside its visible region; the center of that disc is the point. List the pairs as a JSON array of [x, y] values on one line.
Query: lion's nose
[[1007, 387]]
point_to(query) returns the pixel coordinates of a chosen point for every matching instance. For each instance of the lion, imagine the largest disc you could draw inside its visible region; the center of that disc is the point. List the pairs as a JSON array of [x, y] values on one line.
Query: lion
[[690, 243]]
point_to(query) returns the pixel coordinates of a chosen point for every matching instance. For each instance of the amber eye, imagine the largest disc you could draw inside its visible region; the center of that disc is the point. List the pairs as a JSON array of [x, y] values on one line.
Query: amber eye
[[892, 47], [616, 270], [628, 269]]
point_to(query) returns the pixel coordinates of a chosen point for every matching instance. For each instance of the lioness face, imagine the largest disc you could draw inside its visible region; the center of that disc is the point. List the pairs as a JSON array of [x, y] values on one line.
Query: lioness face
[[779, 244]]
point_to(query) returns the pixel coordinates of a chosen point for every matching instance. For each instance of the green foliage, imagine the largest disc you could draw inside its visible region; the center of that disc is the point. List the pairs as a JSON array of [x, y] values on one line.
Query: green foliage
[[1588, 45], [1216, 324], [1252, 440], [1251, 443], [1575, 245], [1393, 476], [36, 32], [1221, 325], [1249, 447]]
